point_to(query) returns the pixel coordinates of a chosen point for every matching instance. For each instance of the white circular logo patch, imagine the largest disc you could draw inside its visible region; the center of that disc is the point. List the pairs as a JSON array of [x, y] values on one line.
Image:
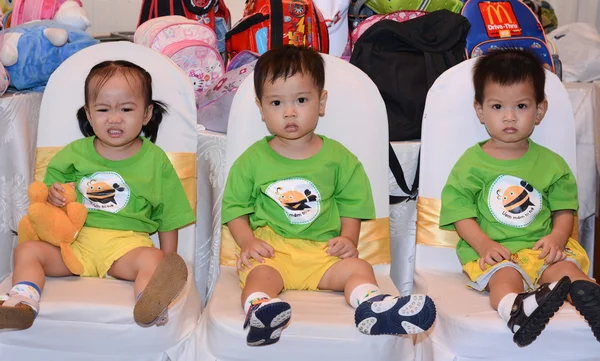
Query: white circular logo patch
[[298, 197], [104, 191], [513, 201]]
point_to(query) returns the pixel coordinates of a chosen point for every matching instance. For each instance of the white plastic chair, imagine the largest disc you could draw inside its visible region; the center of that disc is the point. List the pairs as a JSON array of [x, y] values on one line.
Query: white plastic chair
[[467, 327], [90, 318], [322, 325]]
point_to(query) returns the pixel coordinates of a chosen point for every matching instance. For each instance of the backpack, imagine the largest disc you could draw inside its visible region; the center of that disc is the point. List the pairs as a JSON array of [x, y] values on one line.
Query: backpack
[[403, 60], [213, 13], [399, 16], [214, 104], [269, 23], [389, 6], [505, 23], [191, 45], [28, 10]]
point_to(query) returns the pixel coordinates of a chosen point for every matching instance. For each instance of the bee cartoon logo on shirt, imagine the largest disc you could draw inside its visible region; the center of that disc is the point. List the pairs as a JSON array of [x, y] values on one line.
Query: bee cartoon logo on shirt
[[298, 197], [513, 201], [104, 191]]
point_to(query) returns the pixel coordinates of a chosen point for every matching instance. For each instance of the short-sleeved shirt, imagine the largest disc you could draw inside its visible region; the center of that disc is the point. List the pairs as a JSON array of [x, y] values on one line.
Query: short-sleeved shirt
[[512, 200], [301, 199], [141, 193]]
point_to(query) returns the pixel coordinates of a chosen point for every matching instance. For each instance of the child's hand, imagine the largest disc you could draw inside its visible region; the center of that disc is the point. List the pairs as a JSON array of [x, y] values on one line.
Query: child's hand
[[552, 248], [342, 247], [492, 253], [254, 248], [55, 197]]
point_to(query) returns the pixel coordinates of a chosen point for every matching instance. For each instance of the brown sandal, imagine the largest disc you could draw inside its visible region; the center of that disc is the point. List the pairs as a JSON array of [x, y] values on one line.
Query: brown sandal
[[168, 280], [16, 313]]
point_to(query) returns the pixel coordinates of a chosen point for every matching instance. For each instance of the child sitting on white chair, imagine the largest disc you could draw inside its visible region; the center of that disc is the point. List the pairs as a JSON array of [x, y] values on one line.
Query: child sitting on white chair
[[513, 201], [294, 202], [130, 189]]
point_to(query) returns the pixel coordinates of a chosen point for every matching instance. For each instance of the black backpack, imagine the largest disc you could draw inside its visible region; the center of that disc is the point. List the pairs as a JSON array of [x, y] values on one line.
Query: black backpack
[[403, 60]]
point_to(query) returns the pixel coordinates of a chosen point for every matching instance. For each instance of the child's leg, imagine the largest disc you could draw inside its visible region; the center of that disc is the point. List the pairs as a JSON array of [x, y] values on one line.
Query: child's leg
[[266, 314], [33, 260], [158, 280], [526, 313], [584, 292], [377, 313]]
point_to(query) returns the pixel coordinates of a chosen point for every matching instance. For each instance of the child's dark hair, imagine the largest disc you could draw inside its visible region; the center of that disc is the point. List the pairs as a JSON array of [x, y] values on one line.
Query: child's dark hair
[[101, 73], [286, 61], [508, 67]]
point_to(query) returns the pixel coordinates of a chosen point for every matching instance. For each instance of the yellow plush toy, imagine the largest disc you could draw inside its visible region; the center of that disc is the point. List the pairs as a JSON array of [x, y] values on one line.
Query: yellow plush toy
[[57, 226]]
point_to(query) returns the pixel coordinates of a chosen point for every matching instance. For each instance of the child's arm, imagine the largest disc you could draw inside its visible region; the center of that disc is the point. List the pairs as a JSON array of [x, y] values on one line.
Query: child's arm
[[344, 246], [251, 247], [168, 241], [553, 245], [489, 251]]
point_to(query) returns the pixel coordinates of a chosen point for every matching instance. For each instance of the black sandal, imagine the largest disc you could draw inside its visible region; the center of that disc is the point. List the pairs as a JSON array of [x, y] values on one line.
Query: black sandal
[[586, 299], [548, 300]]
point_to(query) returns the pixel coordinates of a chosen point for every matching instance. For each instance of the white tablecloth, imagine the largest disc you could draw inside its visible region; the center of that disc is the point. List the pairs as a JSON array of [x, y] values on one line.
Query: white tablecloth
[[18, 131]]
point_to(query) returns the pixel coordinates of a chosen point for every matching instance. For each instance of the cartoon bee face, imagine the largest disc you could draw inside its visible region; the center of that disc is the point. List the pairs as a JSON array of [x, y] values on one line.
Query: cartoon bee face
[[515, 199]]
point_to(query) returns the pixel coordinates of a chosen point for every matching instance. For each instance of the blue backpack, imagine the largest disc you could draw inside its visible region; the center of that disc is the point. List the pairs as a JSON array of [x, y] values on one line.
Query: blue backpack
[[505, 24]]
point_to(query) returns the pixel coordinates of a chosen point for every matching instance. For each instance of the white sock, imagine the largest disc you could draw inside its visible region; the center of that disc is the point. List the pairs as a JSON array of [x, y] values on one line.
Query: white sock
[[362, 293], [505, 306], [529, 304], [257, 296], [28, 290]]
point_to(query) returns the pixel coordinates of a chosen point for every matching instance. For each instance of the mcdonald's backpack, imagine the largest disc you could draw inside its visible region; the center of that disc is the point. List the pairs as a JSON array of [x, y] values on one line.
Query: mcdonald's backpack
[[505, 24], [270, 23]]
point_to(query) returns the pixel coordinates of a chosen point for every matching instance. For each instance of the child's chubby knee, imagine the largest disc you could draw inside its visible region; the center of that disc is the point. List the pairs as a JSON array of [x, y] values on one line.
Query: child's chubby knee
[[151, 256], [30, 249], [356, 265]]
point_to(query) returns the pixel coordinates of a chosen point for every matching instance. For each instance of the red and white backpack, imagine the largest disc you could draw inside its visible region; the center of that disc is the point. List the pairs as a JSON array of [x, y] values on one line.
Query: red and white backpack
[[191, 45], [270, 23]]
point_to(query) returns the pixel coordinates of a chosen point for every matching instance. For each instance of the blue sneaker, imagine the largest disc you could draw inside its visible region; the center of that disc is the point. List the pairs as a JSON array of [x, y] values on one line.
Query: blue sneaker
[[386, 315], [266, 321]]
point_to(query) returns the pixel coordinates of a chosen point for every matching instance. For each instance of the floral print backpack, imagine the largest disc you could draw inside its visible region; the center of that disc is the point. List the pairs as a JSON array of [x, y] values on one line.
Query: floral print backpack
[[191, 45]]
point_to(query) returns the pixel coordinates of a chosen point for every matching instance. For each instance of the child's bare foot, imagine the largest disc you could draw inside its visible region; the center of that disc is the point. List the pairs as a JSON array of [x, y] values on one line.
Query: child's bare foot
[[168, 280]]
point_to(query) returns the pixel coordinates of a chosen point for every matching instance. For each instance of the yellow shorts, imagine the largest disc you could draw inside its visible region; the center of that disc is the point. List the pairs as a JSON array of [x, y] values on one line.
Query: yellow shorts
[[300, 263], [97, 249], [528, 264]]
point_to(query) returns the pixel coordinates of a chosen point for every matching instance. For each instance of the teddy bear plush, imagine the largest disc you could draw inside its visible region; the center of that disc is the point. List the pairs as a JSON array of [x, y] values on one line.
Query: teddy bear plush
[[31, 52], [57, 226]]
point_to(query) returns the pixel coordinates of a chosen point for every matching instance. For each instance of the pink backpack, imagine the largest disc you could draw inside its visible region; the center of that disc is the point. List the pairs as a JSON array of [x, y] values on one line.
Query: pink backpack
[[214, 104], [398, 16], [28, 10], [191, 45]]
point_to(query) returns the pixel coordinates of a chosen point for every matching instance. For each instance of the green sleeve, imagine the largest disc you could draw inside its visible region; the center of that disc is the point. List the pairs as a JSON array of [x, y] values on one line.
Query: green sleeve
[[562, 193], [238, 199], [59, 169], [174, 211], [459, 198], [353, 194]]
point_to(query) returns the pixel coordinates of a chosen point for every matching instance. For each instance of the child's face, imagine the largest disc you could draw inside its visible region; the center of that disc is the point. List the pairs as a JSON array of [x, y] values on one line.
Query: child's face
[[118, 112], [510, 112], [291, 108]]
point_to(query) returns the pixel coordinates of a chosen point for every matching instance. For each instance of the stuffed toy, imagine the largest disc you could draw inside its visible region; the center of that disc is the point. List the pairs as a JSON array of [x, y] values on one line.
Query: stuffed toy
[[57, 226], [32, 52]]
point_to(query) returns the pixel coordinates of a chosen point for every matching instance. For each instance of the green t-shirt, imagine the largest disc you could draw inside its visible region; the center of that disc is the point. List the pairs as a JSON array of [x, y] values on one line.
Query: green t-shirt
[[141, 193], [298, 198], [512, 200]]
